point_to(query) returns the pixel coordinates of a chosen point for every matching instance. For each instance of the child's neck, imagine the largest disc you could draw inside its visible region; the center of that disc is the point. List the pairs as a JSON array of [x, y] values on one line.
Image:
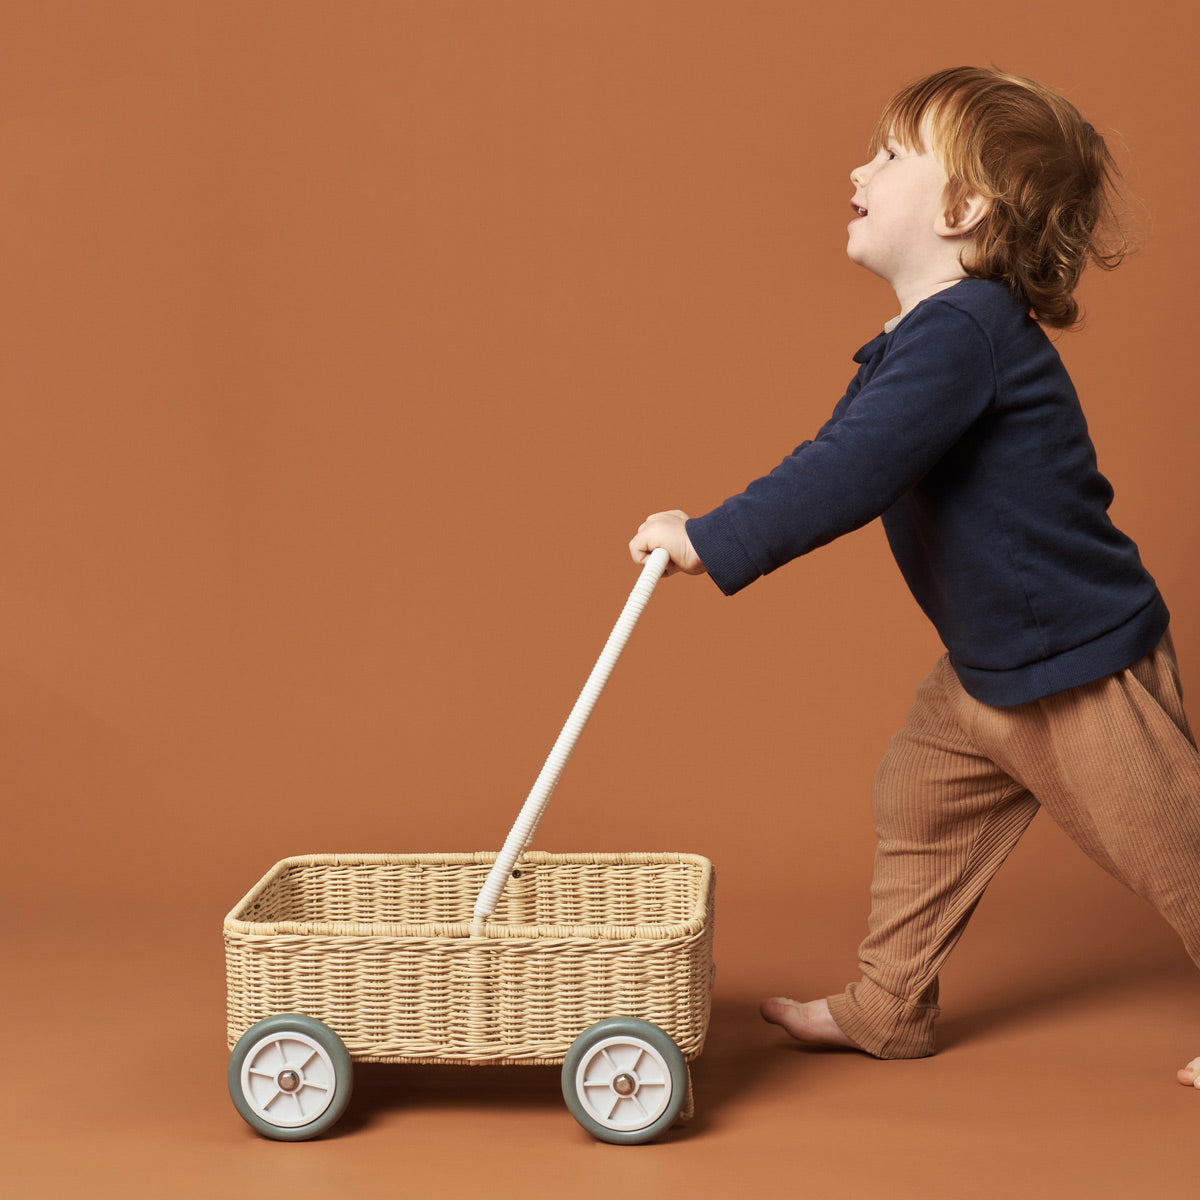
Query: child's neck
[[910, 297]]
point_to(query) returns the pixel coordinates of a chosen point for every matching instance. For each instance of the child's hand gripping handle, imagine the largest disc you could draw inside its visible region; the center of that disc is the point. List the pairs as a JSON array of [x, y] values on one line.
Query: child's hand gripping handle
[[535, 804]]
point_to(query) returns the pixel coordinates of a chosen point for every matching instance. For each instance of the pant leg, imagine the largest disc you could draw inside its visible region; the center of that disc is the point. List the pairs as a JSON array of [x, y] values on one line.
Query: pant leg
[[1115, 765], [946, 818]]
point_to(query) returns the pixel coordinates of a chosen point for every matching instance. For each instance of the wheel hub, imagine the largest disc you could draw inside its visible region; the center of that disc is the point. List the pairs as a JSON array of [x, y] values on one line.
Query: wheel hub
[[287, 1078], [622, 1082]]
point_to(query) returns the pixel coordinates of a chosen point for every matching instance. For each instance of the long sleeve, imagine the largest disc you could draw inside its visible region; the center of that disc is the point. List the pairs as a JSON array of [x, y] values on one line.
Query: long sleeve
[[917, 391]]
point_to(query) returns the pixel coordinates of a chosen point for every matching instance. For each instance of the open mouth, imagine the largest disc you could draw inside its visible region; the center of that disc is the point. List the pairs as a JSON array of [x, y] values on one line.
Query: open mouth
[[862, 212]]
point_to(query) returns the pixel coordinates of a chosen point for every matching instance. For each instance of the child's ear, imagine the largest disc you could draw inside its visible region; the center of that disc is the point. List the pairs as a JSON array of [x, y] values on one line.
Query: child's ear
[[965, 218]]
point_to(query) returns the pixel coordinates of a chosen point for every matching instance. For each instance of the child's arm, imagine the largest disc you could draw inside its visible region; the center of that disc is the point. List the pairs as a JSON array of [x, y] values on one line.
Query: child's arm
[[669, 531], [914, 397]]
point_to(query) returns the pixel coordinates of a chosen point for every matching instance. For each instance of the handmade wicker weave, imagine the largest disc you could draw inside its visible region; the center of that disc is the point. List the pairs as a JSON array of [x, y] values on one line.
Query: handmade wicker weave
[[380, 948]]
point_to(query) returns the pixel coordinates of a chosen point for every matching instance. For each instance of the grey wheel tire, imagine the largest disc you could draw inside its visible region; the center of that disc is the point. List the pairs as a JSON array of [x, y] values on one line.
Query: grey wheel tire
[[625, 1081], [290, 1077]]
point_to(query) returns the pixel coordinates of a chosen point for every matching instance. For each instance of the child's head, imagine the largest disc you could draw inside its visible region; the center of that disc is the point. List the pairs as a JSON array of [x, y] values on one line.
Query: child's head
[[1045, 174]]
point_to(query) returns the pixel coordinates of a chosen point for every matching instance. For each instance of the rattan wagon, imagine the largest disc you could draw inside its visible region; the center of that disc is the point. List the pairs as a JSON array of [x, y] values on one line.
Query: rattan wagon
[[600, 962]]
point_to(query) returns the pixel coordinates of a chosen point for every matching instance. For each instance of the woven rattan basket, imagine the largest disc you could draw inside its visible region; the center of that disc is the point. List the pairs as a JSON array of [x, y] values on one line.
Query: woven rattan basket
[[379, 948]]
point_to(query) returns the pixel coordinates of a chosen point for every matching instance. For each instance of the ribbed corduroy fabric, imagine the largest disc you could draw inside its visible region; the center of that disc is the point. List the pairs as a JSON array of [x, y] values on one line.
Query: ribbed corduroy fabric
[[1113, 762]]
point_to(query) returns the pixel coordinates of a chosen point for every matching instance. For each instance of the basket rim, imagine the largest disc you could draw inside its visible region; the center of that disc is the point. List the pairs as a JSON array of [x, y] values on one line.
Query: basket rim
[[235, 925]]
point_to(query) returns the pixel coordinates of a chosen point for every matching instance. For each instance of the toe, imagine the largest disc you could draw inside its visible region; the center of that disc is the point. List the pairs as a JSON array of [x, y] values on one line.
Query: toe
[[775, 1008], [1189, 1076]]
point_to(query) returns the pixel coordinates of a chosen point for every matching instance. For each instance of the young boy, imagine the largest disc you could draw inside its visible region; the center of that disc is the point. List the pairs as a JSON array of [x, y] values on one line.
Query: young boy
[[985, 198]]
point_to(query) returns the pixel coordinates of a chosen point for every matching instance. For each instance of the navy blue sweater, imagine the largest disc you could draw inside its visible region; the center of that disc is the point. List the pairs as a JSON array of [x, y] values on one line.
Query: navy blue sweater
[[963, 431]]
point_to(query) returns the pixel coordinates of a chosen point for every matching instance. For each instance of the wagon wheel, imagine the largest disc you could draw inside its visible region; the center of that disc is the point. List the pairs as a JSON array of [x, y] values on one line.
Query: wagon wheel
[[624, 1080], [290, 1077]]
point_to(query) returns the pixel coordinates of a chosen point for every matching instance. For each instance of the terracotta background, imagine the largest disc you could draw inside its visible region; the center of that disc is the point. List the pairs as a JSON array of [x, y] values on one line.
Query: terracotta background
[[344, 347]]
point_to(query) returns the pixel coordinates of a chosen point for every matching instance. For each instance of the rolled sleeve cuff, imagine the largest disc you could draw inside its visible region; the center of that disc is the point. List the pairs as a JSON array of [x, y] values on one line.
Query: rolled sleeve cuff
[[723, 556]]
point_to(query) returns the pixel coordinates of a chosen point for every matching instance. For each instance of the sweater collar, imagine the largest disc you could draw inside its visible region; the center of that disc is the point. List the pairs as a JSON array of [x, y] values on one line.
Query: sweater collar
[[875, 345]]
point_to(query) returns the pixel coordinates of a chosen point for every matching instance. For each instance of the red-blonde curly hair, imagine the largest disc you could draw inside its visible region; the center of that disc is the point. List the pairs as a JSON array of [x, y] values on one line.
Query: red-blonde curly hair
[[1049, 180]]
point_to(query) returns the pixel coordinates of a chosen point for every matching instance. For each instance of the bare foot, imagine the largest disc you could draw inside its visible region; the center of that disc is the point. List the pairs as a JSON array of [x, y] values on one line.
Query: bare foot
[[1189, 1076], [812, 1023]]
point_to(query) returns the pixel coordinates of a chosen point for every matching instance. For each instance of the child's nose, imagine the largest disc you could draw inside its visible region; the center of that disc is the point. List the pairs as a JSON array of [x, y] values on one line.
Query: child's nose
[[858, 177]]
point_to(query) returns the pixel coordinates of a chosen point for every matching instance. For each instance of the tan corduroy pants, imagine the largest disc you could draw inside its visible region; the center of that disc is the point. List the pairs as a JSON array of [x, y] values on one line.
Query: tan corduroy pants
[[1113, 763]]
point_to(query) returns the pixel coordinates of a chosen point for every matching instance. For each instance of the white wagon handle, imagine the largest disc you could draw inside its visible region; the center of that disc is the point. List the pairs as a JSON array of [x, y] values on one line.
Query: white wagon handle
[[531, 812]]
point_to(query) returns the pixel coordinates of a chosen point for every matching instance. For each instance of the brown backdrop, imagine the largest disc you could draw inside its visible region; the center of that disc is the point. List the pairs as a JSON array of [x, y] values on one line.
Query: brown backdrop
[[346, 344]]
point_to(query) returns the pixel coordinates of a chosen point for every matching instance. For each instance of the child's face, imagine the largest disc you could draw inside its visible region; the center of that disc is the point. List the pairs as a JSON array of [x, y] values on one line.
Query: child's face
[[899, 229]]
